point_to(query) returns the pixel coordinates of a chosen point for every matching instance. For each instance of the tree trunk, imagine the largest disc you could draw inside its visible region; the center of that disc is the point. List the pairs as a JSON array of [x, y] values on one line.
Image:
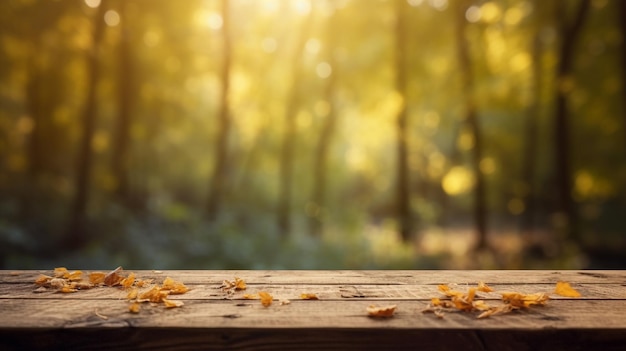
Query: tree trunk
[[471, 118], [403, 188], [77, 235], [318, 193], [121, 146], [565, 205], [219, 181], [530, 139], [289, 136]]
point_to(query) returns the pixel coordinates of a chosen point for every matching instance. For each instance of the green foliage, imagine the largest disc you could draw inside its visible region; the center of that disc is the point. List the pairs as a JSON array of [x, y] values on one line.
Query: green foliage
[[176, 55]]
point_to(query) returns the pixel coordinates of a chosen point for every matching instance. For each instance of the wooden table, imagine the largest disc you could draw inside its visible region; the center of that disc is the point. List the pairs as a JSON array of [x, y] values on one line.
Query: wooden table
[[213, 318]]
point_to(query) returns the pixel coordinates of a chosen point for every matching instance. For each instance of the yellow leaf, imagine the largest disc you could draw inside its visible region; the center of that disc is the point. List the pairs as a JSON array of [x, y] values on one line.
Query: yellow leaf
[[134, 308], [309, 296], [172, 303], [266, 298], [128, 281], [564, 289], [133, 294], [384, 311], [484, 287], [96, 277]]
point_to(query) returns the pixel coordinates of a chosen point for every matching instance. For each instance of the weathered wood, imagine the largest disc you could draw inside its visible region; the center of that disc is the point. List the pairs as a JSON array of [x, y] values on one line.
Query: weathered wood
[[99, 318]]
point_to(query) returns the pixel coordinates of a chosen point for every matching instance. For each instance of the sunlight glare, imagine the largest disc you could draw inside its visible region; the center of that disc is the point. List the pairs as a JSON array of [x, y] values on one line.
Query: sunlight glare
[[415, 3], [92, 3], [214, 21], [269, 45], [490, 12], [112, 18], [473, 14], [487, 165], [151, 38], [313, 46], [458, 181], [322, 108], [323, 70], [439, 5], [302, 7]]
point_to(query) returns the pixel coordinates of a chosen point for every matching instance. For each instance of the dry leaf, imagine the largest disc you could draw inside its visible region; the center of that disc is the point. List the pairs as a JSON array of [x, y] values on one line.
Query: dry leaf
[[484, 287], [564, 289], [128, 281], [60, 272], [250, 296], [43, 280], [384, 311], [172, 303], [309, 296], [284, 302], [113, 278], [96, 278], [266, 298], [133, 294], [134, 307], [174, 287]]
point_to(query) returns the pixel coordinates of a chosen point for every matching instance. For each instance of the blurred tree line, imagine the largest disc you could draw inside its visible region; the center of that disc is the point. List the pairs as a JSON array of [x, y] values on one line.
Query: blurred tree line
[[313, 134]]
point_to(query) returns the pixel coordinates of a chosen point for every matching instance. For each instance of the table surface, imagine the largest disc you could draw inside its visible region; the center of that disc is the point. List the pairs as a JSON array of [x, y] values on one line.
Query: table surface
[[214, 317]]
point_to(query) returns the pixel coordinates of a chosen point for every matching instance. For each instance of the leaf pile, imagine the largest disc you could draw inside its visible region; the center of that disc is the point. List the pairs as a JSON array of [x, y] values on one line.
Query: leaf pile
[[64, 281], [512, 301]]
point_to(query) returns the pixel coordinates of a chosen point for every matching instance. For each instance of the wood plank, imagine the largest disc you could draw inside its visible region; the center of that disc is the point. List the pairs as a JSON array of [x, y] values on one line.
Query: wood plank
[[558, 314], [345, 277], [326, 292]]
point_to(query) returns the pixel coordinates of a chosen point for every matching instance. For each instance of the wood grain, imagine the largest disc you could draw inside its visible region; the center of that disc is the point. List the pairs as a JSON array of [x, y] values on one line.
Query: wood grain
[[98, 318]]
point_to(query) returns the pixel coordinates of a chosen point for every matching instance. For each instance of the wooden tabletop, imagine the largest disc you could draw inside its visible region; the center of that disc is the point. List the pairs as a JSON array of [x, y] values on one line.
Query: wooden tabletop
[[215, 316]]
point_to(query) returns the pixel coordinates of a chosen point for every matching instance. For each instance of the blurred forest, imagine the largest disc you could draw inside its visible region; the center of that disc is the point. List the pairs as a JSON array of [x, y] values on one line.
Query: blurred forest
[[312, 134]]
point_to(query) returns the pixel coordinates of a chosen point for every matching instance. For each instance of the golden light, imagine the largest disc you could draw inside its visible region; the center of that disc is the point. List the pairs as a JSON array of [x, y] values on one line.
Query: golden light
[[112, 18], [490, 12], [458, 180], [269, 45], [323, 70], [415, 3], [487, 165], [92, 3], [472, 14]]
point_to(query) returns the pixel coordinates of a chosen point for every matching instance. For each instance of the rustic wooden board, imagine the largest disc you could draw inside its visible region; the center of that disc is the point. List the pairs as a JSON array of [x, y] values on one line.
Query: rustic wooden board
[[99, 319], [343, 277]]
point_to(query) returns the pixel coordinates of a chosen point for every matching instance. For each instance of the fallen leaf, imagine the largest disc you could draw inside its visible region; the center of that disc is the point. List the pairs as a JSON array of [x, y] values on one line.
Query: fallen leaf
[[172, 303], [250, 296], [484, 287], [96, 278], [384, 311], [266, 298], [174, 287], [134, 307], [133, 294], [128, 281], [113, 278], [309, 296], [564, 289]]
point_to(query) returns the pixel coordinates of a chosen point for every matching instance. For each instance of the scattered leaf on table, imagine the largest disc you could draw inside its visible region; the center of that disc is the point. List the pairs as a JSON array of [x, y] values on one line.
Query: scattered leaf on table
[[565, 289], [134, 307], [113, 277], [266, 298], [174, 287], [172, 303], [484, 287], [250, 296], [128, 281], [96, 278], [384, 311], [309, 296]]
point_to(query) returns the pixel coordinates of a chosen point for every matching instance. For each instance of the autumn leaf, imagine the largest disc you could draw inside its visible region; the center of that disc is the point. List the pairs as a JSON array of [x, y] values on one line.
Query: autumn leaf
[[309, 296], [266, 298], [565, 289], [174, 287], [384, 311], [172, 303], [113, 278], [133, 294], [96, 278], [128, 281], [250, 296], [43, 280], [484, 287], [60, 272], [134, 307]]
